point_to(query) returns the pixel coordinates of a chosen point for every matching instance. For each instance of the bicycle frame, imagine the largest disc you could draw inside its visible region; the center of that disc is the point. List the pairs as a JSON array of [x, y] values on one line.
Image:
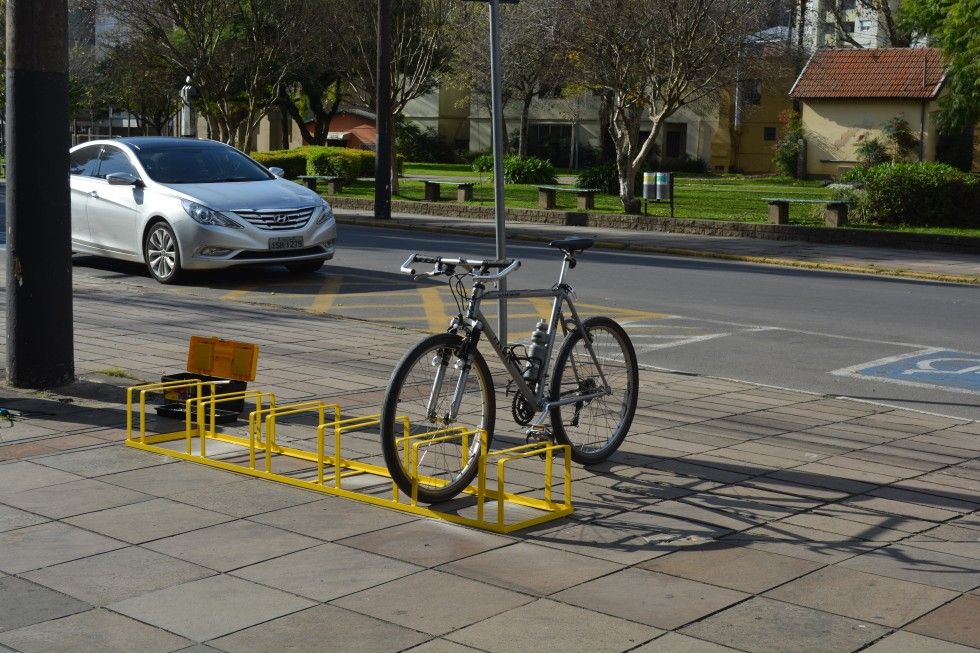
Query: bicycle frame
[[475, 323]]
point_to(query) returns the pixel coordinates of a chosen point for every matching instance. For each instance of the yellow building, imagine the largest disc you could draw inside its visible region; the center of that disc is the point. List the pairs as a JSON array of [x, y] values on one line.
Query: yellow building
[[847, 95]]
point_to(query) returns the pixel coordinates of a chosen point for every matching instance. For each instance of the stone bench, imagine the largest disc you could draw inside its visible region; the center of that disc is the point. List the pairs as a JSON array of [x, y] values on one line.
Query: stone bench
[[834, 216], [334, 184], [585, 196], [464, 189]]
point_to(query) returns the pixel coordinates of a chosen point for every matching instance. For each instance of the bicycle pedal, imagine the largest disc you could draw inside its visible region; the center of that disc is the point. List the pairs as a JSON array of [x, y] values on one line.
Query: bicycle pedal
[[537, 436]]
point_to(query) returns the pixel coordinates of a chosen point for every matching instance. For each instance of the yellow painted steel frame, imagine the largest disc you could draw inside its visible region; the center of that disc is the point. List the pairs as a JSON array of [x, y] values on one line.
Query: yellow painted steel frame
[[261, 440]]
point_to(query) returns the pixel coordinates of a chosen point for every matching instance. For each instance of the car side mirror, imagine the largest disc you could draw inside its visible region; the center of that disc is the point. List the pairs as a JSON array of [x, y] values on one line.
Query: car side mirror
[[277, 171], [123, 179]]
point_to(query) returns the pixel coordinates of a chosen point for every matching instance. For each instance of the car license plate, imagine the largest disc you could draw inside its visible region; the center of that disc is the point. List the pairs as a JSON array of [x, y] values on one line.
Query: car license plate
[[286, 242]]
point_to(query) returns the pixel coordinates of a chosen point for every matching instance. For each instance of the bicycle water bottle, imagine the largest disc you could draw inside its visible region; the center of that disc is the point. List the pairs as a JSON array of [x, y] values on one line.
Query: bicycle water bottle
[[537, 352]]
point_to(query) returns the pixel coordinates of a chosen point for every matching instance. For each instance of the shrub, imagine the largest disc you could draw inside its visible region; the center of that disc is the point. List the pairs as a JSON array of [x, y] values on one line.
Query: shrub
[[605, 177], [483, 163], [900, 137], [422, 145], [871, 151], [920, 194], [341, 162], [292, 161], [684, 164], [469, 156], [787, 148], [530, 170]]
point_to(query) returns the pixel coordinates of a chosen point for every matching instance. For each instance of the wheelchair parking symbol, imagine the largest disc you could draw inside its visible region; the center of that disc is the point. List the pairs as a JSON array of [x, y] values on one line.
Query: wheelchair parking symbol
[[936, 368]]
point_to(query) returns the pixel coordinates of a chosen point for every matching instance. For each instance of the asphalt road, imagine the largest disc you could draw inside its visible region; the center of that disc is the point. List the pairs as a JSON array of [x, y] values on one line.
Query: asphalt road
[[899, 342]]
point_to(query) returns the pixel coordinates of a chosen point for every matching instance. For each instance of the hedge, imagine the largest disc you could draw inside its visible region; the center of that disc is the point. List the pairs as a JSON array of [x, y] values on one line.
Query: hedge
[[340, 162], [292, 161], [924, 194]]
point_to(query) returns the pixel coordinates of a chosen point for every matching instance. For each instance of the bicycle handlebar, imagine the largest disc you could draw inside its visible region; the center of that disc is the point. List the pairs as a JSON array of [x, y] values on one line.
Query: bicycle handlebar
[[446, 266]]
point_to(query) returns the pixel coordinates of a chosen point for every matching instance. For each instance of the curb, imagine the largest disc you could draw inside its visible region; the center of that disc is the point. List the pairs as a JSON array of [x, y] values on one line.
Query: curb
[[397, 223]]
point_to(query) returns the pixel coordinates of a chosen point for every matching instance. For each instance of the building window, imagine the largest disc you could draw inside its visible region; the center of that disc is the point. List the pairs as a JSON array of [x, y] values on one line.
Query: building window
[[847, 26], [864, 25], [751, 91], [769, 133], [675, 140], [847, 4]]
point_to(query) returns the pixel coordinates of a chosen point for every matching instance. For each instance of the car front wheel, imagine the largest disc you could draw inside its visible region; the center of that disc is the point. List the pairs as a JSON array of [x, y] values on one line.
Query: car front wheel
[[162, 254]]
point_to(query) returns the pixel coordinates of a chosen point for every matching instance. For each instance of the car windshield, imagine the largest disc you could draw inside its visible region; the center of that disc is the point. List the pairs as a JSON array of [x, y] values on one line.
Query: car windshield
[[198, 164]]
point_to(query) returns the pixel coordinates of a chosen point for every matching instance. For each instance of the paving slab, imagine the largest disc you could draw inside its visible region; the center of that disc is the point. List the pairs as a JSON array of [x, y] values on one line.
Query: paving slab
[[23, 603], [426, 542], [326, 572], [210, 607], [11, 518], [148, 520], [957, 621], [102, 460], [903, 642], [677, 643], [321, 628], [175, 477], [232, 545], [863, 596], [906, 562], [73, 498], [650, 598], [763, 625], [43, 545], [433, 602], [21, 475], [440, 645], [245, 498], [548, 627], [95, 630], [117, 575], [333, 518], [530, 568], [735, 567]]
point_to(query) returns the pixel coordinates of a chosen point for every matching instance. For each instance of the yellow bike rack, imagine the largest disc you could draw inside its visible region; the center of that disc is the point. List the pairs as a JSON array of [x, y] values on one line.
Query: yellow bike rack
[[256, 453]]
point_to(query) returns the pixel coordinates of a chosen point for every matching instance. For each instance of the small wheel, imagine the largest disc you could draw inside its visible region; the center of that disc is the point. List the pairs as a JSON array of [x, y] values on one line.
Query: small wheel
[[594, 428], [305, 267], [162, 253], [444, 469]]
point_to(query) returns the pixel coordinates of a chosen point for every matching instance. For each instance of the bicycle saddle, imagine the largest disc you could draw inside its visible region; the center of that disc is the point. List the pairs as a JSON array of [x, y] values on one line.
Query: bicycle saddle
[[572, 246]]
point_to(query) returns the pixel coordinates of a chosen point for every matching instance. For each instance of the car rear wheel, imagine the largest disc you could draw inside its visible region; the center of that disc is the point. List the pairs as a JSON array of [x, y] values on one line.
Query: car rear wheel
[[162, 254], [305, 267]]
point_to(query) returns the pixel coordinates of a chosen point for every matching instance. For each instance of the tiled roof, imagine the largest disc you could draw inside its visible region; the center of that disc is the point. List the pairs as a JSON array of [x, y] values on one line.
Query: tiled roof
[[871, 73]]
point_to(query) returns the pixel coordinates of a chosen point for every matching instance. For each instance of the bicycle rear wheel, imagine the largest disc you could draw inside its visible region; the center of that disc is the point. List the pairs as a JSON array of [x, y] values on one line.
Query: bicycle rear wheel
[[596, 427], [422, 389]]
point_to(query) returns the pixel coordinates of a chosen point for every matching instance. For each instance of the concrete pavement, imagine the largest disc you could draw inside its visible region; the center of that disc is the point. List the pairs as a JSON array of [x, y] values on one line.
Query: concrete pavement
[[735, 517]]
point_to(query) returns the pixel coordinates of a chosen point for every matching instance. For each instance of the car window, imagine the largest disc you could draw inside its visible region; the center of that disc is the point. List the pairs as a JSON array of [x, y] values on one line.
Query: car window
[[114, 160], [200, 163], [85, 161]]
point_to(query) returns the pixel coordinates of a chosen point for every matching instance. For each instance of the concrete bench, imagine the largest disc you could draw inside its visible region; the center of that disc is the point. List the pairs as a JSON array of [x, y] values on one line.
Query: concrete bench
[[834, 216], [585, 196], [464, 189], [334, 184]]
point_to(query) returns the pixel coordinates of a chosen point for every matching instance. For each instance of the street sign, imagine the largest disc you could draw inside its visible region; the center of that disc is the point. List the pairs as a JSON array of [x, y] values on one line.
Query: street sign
[[932, 368]]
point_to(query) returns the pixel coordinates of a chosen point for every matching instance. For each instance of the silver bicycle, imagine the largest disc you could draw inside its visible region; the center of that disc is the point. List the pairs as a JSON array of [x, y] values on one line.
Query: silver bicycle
[[444, 382]]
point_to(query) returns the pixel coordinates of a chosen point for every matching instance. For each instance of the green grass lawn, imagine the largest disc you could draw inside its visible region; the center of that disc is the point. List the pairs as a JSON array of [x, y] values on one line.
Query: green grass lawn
[[707, 197]]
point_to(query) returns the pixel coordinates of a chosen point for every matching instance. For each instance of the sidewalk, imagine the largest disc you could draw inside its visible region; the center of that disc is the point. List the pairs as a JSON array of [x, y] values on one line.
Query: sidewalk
[[735, 517], [919, 264]]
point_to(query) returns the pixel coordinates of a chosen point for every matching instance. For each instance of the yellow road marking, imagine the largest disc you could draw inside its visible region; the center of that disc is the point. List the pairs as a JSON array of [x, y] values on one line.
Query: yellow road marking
[[329, 291], [435, 312]]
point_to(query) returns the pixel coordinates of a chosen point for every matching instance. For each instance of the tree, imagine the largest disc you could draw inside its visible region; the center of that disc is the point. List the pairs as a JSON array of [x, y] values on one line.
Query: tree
[[135, 79], [653, 57], [420, 54], [236, 52], [954, 27], [534, 55]]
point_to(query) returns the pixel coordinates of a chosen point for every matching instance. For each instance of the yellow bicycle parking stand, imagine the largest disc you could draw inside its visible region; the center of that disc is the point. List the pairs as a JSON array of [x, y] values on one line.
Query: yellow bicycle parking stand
[[301, 445]]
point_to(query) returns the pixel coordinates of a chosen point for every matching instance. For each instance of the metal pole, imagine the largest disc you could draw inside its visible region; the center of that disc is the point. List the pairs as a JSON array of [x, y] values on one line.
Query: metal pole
[[497, 110], [382, 152], [40, 351]]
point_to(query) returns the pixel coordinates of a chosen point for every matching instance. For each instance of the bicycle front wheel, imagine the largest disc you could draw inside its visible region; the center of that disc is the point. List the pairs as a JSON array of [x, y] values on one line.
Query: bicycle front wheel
[[422, 391], [594, 428]]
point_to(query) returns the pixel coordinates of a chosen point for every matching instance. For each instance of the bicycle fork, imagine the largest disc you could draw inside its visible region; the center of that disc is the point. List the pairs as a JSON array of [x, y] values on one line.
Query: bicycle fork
[[464, 363]]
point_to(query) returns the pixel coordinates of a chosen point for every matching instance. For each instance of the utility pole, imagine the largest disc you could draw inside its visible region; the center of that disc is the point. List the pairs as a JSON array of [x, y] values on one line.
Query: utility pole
[[382, 120], [40, 351]]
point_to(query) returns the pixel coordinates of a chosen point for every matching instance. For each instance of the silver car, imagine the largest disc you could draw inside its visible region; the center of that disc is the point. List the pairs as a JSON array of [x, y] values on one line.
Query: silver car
[[187, 204]]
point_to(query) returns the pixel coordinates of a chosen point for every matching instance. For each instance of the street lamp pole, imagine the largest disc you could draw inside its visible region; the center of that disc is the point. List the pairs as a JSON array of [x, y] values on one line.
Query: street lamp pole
[[382, 121], [40, 348], [497, 110]]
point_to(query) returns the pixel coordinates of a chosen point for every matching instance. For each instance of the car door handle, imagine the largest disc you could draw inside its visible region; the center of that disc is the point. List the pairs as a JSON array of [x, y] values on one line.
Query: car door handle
[[93, 193]]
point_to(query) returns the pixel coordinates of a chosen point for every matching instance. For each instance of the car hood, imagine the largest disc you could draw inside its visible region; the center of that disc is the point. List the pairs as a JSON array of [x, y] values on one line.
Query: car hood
[[253, 195]]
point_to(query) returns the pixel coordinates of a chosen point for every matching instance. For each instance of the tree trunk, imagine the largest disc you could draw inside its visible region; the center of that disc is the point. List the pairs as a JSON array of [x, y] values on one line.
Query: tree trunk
[[525, 113]]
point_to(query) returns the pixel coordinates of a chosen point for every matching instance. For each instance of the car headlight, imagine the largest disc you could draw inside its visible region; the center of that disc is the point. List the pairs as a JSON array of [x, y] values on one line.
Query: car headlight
[[326, 213], [203, 215]]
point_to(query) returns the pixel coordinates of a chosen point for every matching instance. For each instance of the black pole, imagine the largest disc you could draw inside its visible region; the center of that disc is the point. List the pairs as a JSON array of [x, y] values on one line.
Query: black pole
[[40, 351], [382, 153]]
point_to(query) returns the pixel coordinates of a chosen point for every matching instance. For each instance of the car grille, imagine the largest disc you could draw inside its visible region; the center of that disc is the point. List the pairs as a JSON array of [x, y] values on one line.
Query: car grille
[[277, 220], [279, 253]]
